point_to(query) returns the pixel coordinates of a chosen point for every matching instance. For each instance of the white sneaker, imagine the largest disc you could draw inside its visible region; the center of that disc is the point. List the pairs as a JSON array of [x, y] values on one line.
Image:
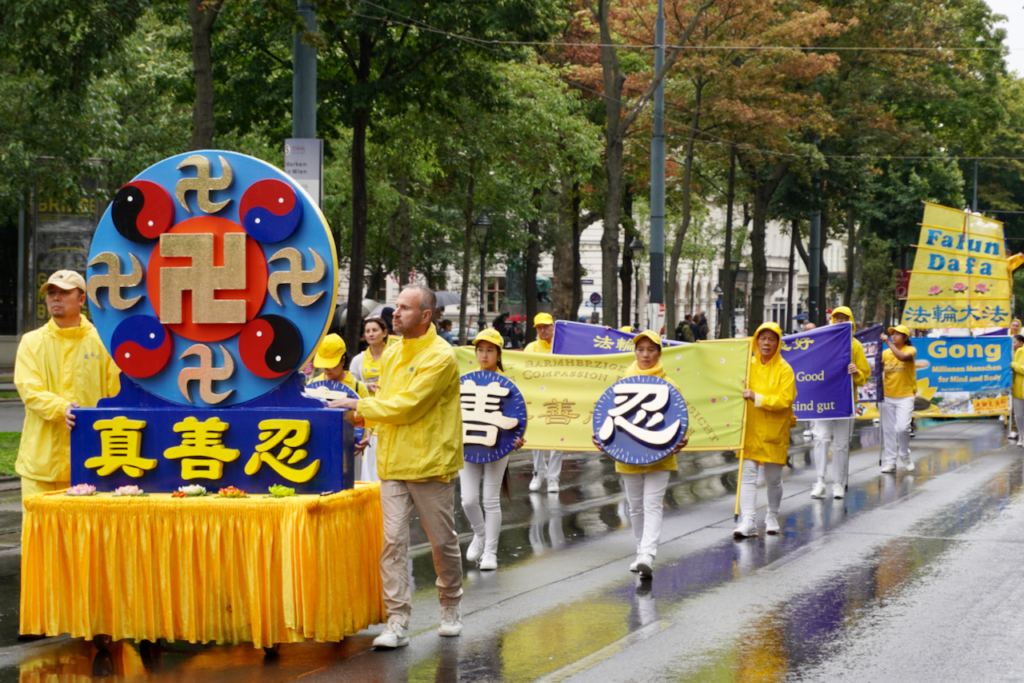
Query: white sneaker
[[746, 528], [838, 491], [633, 567], [1013, 435], [771, 523], [553, 485], [1020, 442], [889, 468], [475, 549], [451, 621], [536, 482], [908, 464], [393, 635], [645, 565], [489, 562], [818, 491]]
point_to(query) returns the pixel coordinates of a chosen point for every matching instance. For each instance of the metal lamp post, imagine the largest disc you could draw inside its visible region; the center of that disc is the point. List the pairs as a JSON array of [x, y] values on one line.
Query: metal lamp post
[[483, 223], [718, 307], [637, 247]]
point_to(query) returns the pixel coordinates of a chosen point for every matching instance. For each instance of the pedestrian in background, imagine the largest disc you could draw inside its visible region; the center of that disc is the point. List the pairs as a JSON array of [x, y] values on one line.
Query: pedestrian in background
[[899, 385], [544, 324], [59, 367], [366, 368], [771, 390]]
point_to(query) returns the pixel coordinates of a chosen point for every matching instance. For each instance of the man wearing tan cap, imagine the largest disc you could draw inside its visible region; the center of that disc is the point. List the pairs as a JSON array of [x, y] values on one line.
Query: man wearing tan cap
[[544, 324], [60, 366]]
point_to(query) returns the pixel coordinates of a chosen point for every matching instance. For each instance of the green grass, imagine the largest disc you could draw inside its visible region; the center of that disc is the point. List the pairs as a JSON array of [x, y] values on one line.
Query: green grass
[[8, 452], [9, 394]]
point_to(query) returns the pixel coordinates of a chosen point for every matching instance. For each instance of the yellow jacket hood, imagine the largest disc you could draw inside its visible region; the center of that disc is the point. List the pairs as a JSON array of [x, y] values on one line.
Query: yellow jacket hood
[[767, 326], [845, 310]]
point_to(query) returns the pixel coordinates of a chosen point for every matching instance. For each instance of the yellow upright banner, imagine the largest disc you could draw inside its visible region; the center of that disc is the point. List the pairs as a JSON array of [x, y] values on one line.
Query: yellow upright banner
[[561, 391], [960, 277]]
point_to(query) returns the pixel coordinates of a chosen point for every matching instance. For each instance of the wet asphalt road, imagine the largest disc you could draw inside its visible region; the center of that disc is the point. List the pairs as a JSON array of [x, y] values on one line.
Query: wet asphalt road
[[914, 577]]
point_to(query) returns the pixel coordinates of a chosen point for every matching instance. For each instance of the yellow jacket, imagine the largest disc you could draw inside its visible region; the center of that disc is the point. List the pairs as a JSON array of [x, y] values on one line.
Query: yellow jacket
[[667, 463], [538, 346], [55, 367], [418, 411], [766, 436], [1018, 373]]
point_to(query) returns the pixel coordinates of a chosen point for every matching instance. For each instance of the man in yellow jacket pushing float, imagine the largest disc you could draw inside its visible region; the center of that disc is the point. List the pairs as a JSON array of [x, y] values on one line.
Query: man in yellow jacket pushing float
[[419, 455], [771, 390], [60, 367], [840, 429]]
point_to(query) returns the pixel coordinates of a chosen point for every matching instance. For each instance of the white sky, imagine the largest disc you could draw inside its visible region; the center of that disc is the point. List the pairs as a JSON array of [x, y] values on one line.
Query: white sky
[[1014, 11]]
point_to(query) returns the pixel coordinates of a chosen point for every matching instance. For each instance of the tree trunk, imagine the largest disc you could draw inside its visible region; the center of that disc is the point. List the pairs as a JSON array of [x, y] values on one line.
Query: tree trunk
[[790, 314], [577, 262], [201, 16], [851, 239], [626, 271], [764, 189], [404, 242], [357, 255], [467, 251], [684, 224], [564, 281], [530, 274], [730, 288]]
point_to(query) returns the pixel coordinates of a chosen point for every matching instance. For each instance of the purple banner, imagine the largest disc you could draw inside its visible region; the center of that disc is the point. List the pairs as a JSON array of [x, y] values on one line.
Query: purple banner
[[870, 339], [580, 339], [820, 360]]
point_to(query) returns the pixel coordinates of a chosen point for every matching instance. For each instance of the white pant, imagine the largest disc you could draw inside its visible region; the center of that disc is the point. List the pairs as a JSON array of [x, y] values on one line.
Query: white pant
[[368, 470], [1018, 415], [491, 474], [748, 488], [896, 414], [838, 432], [553, 469], [645, 494]]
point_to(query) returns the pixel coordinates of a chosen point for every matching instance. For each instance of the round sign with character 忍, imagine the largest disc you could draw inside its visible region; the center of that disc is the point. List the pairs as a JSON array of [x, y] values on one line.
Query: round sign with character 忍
[[640, 420], [493, 416]]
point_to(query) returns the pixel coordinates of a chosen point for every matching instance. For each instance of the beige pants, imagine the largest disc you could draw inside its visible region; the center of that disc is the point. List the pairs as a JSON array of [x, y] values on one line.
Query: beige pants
[[33, 486], [435, 503]]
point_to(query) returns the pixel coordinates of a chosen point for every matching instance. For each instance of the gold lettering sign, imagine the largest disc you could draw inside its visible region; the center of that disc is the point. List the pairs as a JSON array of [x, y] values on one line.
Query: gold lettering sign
[[206, 374], [114, 281], [202, 278], [295, 276], [203, 184]]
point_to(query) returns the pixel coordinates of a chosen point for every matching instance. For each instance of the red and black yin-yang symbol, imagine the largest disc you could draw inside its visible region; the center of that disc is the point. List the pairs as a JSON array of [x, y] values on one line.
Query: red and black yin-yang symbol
[[270, 346], [142, 211], [270, 211], [141, 346]]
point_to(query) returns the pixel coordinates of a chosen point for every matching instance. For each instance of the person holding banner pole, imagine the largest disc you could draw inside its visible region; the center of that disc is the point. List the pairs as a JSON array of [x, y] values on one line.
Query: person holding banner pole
[[838, 430], [645, 485], [494, 475], [544, 324], [771, 390], [1018, 389], [899, 384]]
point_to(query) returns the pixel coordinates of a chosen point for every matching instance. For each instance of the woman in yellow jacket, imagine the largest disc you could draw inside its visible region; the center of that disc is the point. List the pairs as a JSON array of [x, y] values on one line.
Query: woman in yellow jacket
[[1018, 387], [645, 484], [899, 385], [493, 475], [771, 390]]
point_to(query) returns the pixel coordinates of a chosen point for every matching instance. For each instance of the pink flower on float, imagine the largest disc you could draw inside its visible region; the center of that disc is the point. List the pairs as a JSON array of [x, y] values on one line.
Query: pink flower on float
[[981, 288], [128, 491], [959, 287], [81, 490], [934, 290]]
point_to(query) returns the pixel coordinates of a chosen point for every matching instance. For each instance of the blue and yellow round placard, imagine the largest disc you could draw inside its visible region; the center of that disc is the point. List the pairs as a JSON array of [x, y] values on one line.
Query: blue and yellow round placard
[[640, 420], [493, 416], [212, 277]]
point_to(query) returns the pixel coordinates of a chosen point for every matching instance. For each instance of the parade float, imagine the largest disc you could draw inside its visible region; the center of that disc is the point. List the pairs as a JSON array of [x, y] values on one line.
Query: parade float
[[213, 501]]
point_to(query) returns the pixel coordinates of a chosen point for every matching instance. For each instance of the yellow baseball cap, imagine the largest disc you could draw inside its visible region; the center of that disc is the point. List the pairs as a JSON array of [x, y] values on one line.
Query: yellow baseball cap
[[625, 328], [647, 334], [902, 329], [332, 348], [490, 335], [543, 319], [66, 280]]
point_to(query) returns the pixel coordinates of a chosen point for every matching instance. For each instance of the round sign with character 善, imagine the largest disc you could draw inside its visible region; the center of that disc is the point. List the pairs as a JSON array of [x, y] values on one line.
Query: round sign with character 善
[[640, 420], [493, 416]]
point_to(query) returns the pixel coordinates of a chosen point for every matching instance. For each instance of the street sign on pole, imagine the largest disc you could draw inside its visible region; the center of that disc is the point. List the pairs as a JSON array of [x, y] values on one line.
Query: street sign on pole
[[304, 162]]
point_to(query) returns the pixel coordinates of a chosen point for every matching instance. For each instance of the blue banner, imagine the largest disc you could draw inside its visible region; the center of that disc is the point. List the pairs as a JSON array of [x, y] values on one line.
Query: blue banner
[[964, 376], [820, 360], [580, 339]]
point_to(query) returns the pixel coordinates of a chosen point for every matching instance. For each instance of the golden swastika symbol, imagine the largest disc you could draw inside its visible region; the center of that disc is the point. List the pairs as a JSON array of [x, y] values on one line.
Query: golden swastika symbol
[[203, 184], [202, 278], [114, 281], [296, 276], [206, 374]]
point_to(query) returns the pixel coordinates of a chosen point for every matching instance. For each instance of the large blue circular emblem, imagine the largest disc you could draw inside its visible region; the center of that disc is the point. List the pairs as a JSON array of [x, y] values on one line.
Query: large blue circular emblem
[[212, 278], [640, 420], [493, 416]]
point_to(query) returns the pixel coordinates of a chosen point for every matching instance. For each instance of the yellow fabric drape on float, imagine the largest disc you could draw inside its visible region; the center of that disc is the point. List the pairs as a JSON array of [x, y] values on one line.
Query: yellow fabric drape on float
[[962, 273], [258, 569]]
